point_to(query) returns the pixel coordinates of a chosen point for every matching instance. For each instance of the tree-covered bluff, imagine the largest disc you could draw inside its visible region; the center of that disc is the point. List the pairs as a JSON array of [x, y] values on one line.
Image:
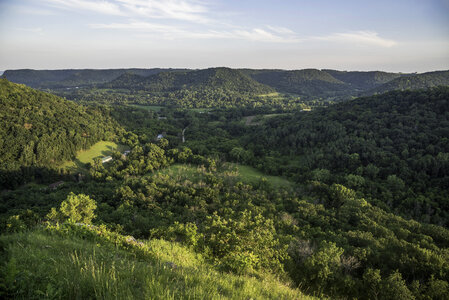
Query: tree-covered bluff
[[392, 147], [41, 130]]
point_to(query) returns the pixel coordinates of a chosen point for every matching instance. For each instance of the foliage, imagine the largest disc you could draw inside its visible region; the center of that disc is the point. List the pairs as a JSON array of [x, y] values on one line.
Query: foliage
[[41, 130], [86, 262]]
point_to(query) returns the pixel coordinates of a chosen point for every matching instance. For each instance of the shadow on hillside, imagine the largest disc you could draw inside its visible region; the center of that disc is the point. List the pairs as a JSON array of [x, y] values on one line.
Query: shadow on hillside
[[11, 179], [79, 167]]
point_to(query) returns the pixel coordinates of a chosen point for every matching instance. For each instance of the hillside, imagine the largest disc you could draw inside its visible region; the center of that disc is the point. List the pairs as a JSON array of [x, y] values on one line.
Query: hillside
[[40, 129], [306, 83], [224, 79], [363, 80], [414, 82], [71, 77], [220, 87], [85, 265], [393, 148]]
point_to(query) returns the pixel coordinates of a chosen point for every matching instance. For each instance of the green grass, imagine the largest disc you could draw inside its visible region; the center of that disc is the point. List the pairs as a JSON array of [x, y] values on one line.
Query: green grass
[[44, 265], [235, 172], [155, 108], [274, 94], [200, 110], [100, 149], [251, 175]]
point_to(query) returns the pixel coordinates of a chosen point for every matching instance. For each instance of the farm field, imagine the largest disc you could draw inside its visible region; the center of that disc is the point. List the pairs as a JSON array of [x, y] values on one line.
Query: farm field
[[155, 108], [100, 149]]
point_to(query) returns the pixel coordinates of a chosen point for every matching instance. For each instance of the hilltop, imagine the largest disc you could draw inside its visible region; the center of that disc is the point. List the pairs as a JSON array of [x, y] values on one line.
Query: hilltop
[[70, 78], [414, 82], [213, 79]]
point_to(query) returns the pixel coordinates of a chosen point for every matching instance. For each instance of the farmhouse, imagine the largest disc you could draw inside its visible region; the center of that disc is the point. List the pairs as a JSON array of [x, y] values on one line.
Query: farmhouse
[[106, 159]]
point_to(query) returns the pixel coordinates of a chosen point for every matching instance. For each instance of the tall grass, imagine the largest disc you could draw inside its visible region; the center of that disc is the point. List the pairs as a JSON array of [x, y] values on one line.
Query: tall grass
[[40, 264]]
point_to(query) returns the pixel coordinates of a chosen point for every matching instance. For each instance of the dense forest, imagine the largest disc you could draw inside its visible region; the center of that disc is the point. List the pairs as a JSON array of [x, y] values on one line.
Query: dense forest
[[344, 201], [392, 147], [40, 130], [71, 78], [417, 81]]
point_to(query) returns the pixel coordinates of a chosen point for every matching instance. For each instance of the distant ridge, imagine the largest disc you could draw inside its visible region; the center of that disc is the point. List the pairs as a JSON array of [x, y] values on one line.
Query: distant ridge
[[72, 77], [307, 83], [225, 79], [413, 82]]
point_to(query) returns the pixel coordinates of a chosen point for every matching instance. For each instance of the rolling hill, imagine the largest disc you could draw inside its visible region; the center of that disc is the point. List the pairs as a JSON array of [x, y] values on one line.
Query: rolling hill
[[71, 77], [40, 129], [306, 83], [414, 82], [224, 79]]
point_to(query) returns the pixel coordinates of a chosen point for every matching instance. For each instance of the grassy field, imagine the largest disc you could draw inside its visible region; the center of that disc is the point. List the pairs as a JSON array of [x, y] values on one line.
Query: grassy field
[[155, 108], [246, 174], [251, 175], [100, 149], [42, 265], [274, 94]]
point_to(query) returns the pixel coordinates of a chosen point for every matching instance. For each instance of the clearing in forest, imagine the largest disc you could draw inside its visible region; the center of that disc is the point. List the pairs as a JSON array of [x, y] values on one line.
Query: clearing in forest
[[100, 149]]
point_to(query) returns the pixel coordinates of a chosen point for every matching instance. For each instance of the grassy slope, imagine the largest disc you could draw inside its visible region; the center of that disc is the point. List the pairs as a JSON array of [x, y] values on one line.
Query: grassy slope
[[100, 149], [45, 265], [246, 174]]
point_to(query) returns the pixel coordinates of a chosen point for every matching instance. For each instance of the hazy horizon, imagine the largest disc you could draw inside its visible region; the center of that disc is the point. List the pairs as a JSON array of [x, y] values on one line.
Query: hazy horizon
[[401, 36], [238, 68]]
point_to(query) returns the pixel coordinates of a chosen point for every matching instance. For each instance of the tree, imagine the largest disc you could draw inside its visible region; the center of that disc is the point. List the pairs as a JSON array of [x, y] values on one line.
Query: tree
[[78, 208]]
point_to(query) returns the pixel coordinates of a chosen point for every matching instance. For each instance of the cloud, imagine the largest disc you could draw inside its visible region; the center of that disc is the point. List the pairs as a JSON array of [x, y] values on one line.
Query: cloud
[[102, 7], [369, 38], [186, 10], [173, 32]]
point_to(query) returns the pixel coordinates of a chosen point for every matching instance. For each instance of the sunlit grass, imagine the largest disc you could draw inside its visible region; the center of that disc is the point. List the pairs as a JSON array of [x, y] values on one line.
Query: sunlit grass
[[243, 173], [100, 149], [44, 265]]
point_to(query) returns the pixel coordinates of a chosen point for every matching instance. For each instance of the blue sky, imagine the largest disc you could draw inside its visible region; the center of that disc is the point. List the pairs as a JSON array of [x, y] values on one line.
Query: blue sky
[[394, 35]]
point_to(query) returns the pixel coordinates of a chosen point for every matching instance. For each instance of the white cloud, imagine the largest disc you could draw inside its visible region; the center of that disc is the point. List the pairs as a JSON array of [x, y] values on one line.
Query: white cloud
[[102, 7], [173, 32], [186, 10], [281, 30], [369, 38]]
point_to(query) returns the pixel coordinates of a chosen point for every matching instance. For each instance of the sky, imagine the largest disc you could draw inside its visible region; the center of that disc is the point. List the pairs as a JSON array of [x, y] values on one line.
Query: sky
[[388, 35]]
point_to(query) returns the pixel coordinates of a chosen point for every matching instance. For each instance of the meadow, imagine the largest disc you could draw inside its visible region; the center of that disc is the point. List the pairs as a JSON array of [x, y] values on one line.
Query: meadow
[[83, 157]]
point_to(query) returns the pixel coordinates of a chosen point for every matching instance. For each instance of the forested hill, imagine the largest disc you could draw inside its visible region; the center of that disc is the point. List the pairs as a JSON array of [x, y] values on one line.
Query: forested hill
[[413, 82], [224, 79], [363, 80], [306, 82], [40, 129], [392, 147], [72, 77]]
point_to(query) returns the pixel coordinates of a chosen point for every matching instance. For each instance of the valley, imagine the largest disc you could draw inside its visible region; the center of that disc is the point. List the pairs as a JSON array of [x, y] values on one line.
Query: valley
[[224, 183]]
